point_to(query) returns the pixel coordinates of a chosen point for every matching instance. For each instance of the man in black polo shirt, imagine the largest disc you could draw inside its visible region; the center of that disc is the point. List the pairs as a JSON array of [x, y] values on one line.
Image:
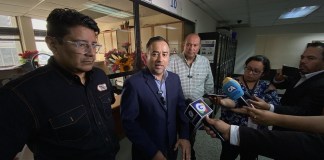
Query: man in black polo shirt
[[62, 110]]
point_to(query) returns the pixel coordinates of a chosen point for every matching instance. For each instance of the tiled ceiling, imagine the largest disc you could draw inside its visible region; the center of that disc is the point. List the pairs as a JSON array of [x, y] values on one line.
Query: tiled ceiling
[[254, 13], [40, 9], [227, 12]]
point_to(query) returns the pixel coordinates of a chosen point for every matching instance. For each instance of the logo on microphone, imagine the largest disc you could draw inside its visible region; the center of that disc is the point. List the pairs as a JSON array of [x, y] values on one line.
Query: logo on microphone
[[231, 89], [196, 111], [201, 108]]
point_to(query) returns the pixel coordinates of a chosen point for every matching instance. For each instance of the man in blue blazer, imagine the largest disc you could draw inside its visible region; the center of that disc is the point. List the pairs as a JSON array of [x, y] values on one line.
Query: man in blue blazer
[[152, 105]]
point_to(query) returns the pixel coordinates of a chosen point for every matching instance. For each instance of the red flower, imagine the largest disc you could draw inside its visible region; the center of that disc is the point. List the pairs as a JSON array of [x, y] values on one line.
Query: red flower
[[28, 54]]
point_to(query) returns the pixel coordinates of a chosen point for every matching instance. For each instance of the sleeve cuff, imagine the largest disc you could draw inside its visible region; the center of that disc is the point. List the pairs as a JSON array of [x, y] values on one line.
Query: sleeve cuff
[[234, 135], [271, 108], [275, 81]]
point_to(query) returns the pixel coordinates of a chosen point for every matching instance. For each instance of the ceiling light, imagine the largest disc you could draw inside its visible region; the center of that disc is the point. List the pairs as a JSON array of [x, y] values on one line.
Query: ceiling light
[[168, 27], [298, 12], [113, 12]]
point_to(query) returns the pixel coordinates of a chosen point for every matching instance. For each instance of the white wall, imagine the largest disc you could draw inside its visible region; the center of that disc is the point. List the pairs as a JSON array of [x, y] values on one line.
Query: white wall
[[204, 23], [281, 44]]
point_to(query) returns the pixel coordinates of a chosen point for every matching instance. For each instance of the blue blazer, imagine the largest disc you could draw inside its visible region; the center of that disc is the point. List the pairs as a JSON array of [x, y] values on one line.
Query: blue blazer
[[149, 125]]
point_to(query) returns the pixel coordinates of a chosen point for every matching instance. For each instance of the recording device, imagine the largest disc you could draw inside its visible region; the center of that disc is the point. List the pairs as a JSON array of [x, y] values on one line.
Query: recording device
[[214, 95], [233, 90], [290, 71], [197, 112], [248, 95]]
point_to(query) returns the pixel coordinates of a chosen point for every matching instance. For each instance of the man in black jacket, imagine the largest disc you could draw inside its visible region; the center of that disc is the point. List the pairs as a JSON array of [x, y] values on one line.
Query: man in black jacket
[[62, 110], [304, 94]]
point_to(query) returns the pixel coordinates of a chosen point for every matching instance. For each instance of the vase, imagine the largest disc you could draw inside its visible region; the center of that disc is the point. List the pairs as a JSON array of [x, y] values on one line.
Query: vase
[[27, 66]]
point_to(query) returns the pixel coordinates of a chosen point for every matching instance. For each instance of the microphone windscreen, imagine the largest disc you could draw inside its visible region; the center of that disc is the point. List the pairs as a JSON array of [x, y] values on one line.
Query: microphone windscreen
[[232, 88]]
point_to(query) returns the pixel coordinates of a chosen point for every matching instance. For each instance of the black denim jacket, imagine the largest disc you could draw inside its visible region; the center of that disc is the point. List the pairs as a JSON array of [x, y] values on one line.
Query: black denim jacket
[[58, 117]]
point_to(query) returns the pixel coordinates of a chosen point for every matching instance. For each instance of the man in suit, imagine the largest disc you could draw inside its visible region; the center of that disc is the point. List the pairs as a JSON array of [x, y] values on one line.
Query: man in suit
[[152, 102], [305, 92]]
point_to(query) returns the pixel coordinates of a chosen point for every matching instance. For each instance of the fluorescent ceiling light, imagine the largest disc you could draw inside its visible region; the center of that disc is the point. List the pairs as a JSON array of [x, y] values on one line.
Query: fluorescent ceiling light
[[108, 10], [168, 27], [298, 12]]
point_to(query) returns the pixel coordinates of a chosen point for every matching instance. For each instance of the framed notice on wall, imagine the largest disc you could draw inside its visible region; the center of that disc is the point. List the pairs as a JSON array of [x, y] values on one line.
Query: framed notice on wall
[[208, 49]]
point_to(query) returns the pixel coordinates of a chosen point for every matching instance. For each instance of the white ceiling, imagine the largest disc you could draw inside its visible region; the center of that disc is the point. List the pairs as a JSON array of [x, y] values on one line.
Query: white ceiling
[[226, 12], [258, 12]]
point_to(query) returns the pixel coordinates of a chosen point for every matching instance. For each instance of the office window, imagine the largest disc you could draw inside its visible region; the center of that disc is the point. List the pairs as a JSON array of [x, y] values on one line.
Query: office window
[[39, 27], [10, 45], [8, 21]]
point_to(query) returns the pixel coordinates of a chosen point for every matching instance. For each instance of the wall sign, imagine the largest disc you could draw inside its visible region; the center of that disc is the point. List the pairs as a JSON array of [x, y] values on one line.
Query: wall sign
[[208, 49], [174, 6]]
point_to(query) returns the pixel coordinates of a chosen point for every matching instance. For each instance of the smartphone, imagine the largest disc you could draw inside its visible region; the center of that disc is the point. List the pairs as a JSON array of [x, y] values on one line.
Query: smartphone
[[214, 95]]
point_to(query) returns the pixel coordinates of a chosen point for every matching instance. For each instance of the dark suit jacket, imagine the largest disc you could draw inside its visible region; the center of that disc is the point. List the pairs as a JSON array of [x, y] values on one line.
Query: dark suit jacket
[[307, 99], [147, 123], [282, 144]]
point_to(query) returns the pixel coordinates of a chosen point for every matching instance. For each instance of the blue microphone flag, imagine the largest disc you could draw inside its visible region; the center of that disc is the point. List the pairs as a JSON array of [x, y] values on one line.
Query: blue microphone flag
[[232, 88]]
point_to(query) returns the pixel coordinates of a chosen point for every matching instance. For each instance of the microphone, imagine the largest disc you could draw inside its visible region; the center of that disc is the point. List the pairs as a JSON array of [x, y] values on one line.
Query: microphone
[[233, 90], [197, 112]]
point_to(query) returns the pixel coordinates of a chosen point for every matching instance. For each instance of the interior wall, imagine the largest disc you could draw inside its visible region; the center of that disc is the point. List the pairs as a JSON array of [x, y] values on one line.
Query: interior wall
[[204, 23], [281, 44], [285, 48]]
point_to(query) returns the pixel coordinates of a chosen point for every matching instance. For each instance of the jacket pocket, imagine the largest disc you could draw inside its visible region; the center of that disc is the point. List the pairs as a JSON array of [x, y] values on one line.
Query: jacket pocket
[[71, 125]]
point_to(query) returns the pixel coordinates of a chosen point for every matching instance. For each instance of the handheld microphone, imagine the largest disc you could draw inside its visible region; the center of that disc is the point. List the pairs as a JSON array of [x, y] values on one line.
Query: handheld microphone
[[233, 90], [197, 112]]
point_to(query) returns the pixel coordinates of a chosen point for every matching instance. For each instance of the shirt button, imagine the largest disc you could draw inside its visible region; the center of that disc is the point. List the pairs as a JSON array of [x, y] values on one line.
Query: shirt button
[[99, 123], [106, 139]]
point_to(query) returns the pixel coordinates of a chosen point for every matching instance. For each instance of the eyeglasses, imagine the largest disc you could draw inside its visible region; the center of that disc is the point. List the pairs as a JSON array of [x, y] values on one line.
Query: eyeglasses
[[84, 47], [254, 72]]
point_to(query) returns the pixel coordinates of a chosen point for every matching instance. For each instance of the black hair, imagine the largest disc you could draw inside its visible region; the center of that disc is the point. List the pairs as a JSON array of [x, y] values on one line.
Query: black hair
[[317, 44], [61, 19], [260, 58], [155, 39]]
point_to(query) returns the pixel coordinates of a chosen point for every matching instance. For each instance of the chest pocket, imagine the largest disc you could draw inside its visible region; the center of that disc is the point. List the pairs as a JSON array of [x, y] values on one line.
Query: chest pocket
[[71, 125]]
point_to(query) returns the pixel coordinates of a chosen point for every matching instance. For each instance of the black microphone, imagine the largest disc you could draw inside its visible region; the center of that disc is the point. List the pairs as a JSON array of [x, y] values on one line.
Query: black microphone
[[197, 112], [189, 76]]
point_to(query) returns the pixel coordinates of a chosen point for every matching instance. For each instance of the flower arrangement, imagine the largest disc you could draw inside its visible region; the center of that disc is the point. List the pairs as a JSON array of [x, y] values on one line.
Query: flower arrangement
[[27, 56], [119, 61]]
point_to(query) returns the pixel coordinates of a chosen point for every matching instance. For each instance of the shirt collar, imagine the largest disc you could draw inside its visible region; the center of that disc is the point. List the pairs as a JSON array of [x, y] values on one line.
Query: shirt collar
[[164, 76], [66, 74], [309, 75]]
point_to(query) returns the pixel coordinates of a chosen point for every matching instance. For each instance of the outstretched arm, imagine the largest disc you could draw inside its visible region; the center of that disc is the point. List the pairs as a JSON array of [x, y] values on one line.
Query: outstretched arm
[[301, 123]]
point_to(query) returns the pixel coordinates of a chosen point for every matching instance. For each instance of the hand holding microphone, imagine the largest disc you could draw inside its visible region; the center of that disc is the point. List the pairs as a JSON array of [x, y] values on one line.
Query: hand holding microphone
[[197, 112], [223, 127]]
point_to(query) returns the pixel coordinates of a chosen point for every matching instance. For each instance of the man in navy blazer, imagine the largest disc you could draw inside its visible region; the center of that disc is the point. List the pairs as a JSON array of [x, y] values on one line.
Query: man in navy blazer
[[152, 102]]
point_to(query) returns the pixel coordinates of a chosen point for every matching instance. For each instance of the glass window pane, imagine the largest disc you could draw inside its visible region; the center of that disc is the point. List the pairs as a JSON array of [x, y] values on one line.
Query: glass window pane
[[116, 37], [39, 24], [8, 21], [41, 47], [9, 51]]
